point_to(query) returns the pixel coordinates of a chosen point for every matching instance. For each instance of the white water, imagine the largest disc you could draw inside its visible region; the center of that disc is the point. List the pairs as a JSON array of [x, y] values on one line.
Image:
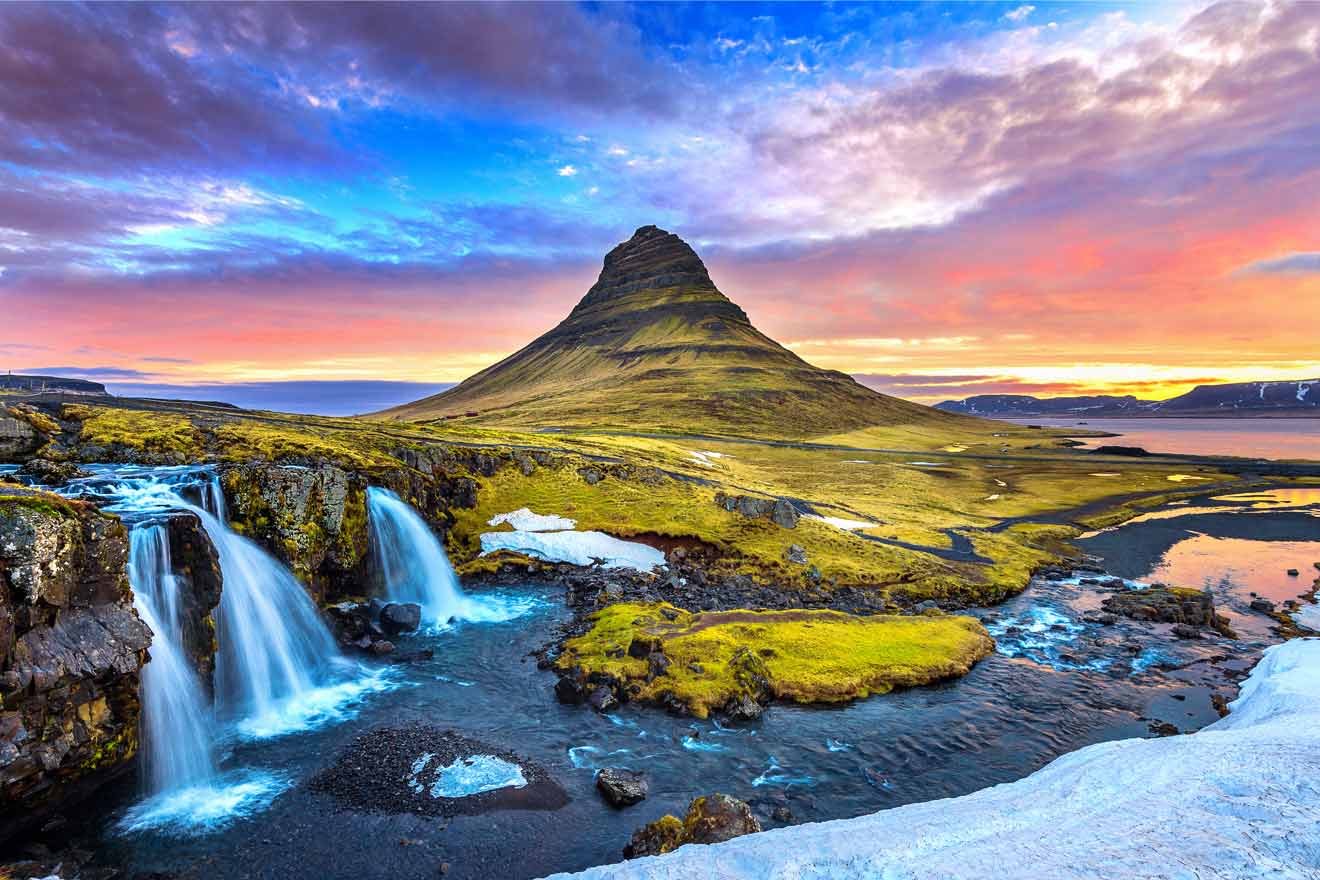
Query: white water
[[175, 716], [415, 568], [273, 645], [278, 670]]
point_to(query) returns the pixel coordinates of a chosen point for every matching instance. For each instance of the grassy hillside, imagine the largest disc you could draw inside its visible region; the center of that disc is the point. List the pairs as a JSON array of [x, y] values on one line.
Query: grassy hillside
[[654, 346]]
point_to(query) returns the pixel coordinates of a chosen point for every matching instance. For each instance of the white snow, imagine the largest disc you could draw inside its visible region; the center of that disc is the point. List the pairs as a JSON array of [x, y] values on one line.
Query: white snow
[[575, 548], [705, 457], [1240, 799], [1308, 616], [524, 520], [848, 525], [1182, 478]]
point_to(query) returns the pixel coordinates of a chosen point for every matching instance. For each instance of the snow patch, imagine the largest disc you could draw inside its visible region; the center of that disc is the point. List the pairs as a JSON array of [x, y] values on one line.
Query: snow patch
[[848, 525], [575, 548], [466, 776], [524, 520], [1183, 478], [1233, 801]]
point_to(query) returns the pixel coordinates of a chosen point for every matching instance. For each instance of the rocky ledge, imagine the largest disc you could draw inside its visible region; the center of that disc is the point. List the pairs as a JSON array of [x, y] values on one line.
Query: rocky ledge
[[71, 651]]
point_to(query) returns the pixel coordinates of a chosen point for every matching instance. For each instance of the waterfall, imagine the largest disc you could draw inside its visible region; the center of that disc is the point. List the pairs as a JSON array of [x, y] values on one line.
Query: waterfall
[[412, 562], [273, 644], [175, 731]]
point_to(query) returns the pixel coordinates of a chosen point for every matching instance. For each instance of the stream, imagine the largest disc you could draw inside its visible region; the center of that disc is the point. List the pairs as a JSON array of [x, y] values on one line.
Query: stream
[[1056, 683]]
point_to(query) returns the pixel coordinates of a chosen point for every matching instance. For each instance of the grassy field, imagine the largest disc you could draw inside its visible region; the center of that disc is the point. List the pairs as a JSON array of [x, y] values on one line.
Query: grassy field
[[965, 516]]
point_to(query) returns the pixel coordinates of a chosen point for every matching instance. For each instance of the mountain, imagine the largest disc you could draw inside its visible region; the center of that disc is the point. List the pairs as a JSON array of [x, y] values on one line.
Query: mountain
[[1237, 399], [39, 384], [654, 345]]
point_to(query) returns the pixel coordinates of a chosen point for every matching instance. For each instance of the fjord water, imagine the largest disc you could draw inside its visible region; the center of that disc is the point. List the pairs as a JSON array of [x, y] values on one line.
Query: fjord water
[[1246, 438]]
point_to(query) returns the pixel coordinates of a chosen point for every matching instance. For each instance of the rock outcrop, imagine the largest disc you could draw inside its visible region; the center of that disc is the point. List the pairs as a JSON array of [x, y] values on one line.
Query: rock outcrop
[[312, 518], [71, 651], [714, 818], [1176, 605], [196, 564]]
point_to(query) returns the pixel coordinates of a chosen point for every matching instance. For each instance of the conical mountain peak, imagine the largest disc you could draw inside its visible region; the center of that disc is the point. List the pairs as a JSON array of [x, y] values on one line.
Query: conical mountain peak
[[652, 259], [654, 345]]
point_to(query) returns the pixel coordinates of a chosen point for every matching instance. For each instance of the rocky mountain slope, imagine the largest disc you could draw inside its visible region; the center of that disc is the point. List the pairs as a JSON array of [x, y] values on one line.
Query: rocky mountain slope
[[1238, 399], [654, 345]]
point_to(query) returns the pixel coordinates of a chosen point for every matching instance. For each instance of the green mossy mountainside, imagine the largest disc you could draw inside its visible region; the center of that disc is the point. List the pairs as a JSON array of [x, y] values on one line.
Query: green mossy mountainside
[[700, 663], [654, 345], [71, 651]]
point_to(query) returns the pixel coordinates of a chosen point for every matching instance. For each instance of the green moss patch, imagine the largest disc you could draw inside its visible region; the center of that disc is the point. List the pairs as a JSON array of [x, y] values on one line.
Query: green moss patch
[[799, 656]]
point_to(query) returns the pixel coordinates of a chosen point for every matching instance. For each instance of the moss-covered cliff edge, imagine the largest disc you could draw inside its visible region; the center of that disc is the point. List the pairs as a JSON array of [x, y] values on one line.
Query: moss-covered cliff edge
[[71, 652]]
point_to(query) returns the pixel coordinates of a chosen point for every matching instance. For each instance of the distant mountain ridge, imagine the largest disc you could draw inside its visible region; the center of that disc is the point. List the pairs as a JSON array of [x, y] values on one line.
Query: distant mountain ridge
[[654, 345], [37, 384], [1294, 398]]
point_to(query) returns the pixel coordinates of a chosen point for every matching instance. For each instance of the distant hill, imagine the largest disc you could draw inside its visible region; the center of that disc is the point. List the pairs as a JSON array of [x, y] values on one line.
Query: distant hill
[[654, 345], [38, 384], [1237, 399]]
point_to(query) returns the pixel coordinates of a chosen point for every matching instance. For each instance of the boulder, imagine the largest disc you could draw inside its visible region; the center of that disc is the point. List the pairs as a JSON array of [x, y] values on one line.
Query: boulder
[[621, 788], [51, 473], [780, 511], [784, 514], [1262, 604], [714, 818], [18, 439], [400, 617], [796, 554], [602, 699]]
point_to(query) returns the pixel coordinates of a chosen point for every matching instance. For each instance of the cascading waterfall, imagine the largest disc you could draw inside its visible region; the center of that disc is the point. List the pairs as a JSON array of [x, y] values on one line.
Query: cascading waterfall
[[273, 644], [278, 670], [412, 562], [175, 730]]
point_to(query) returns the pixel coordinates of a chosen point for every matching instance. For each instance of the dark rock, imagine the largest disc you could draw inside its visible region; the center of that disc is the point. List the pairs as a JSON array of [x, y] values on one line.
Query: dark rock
[[51, 473], [743, 708], [570, 690], [591, 475], [602, 699], [400, 617], [784, 515], [1129, 451], [657, 664], [1263, 605], [782, 815], [1184, 631], [1163, 728], [382, 646], [1292, 572], [1169, 605], [642, 647], [621, 788], [196, 568]]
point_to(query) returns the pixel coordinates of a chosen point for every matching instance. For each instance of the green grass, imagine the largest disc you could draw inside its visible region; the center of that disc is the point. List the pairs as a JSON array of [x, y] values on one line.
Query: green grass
[[807, 656]]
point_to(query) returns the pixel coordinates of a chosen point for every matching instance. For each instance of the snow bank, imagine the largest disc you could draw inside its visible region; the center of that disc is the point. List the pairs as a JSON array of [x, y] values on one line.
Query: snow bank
[[1240, 799], [1309, 616], [848, 525], [576, 548], [524, 520]]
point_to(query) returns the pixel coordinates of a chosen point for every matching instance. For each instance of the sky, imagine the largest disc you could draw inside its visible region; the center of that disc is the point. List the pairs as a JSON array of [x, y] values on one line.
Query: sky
[[309, 206]]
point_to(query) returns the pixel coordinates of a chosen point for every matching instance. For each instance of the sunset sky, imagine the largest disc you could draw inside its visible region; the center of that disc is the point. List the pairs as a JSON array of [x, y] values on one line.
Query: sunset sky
[[941, 199]]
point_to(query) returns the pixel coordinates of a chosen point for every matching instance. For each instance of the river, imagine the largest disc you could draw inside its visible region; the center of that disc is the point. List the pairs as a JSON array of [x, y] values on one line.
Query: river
[[1057, 683]]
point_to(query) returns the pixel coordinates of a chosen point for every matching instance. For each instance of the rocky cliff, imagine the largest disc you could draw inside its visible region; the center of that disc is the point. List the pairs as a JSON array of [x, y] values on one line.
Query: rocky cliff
[[71, 650]]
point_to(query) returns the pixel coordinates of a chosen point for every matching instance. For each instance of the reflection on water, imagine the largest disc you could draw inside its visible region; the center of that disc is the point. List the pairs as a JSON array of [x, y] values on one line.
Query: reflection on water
[[1240, 566], [1247, 438]]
